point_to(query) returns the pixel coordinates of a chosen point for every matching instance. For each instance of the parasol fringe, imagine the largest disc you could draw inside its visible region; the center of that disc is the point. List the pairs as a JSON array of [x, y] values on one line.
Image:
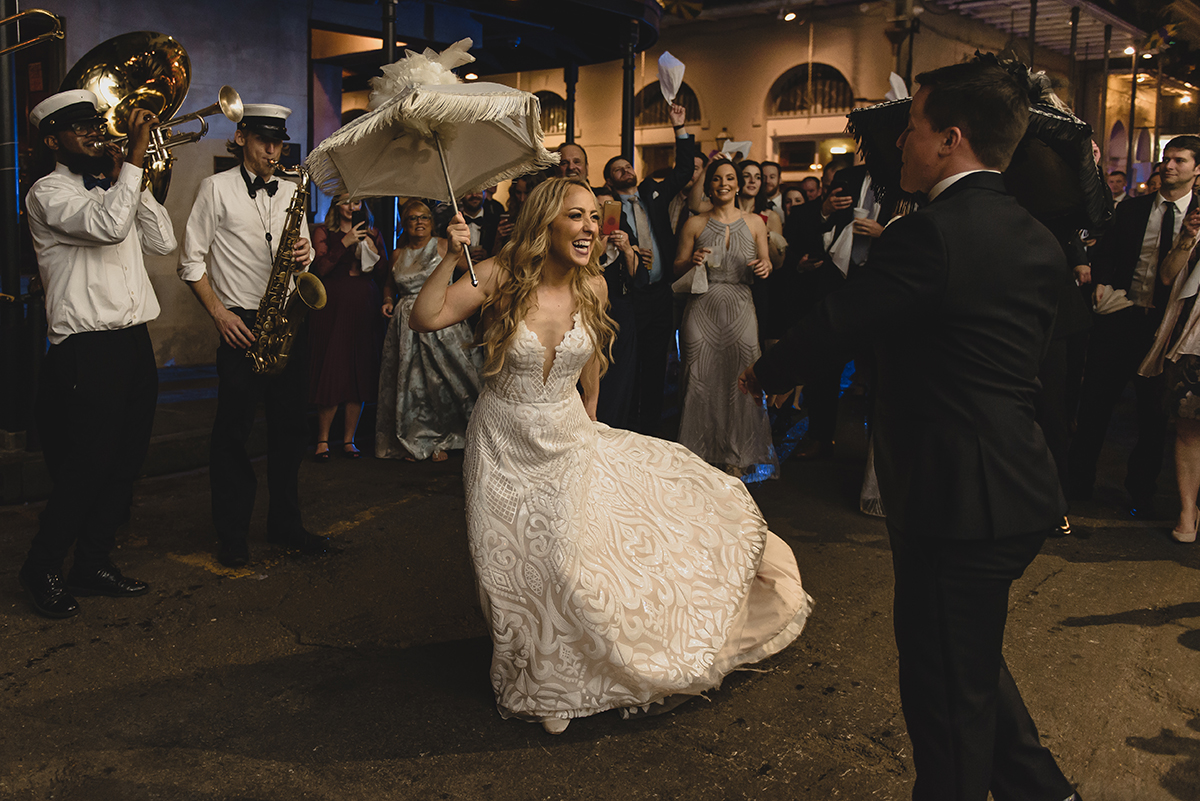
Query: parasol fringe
[[450, 108], [460, 108]]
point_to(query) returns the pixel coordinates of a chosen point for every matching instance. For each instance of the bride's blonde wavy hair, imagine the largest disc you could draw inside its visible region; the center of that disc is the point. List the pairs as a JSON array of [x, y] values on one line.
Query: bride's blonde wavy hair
[[519, 272]]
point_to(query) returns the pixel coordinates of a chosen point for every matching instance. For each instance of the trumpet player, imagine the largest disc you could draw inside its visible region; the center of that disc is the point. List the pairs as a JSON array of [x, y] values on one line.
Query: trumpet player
[[228, 251], [90, 221]]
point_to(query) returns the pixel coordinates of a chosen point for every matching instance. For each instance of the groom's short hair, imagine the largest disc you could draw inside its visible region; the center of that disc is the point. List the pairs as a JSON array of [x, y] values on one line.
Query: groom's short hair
[[982, 100]]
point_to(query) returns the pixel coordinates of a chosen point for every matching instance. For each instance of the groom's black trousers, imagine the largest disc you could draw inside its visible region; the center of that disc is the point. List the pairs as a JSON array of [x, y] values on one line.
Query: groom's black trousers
[[970, 730]]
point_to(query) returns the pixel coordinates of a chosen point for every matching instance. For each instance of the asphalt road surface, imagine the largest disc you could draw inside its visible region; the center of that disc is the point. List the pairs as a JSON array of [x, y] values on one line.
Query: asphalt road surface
[[363, 674]]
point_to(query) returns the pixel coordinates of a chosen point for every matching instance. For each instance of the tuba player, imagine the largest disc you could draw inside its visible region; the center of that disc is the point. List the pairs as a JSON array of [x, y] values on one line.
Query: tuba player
[[91, 220], [229, 248]]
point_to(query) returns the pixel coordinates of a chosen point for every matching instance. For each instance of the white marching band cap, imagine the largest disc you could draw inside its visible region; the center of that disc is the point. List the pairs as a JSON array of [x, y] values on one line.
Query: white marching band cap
[[65, 108], [265, 119]]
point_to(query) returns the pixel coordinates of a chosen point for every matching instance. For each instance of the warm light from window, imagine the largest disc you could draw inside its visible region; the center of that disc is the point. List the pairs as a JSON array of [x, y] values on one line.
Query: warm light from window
[[837, 150], [470, 76], [1129, 51], [788, 17]]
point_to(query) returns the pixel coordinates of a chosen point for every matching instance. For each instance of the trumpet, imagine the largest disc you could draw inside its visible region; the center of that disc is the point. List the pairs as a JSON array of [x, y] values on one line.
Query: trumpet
[[159, 159], [57, 33]]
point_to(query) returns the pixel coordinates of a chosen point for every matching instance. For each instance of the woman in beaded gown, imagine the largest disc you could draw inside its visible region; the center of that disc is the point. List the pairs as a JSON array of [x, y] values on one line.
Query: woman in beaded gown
[[428, 382], [719, 333], [616, 570]]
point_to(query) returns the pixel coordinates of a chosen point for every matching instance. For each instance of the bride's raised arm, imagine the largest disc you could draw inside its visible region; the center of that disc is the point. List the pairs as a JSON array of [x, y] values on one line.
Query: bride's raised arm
[[440, 303]]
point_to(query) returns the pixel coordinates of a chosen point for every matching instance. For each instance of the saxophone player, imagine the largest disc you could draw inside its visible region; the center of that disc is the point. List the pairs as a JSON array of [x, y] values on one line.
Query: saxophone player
[[90, 221], [228, 251]]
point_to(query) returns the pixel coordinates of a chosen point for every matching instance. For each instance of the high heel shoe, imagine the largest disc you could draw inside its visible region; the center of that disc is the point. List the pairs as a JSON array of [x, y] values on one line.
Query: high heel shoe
[[322, 456], [349, 451], [1184, 536], [555, 725]]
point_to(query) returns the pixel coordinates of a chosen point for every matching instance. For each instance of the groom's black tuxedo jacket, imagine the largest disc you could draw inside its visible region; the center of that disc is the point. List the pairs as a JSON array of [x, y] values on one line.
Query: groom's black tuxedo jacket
[[957, 299]]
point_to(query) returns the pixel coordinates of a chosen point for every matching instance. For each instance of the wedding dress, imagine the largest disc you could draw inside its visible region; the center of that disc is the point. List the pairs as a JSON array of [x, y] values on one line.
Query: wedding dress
[[614, 569]]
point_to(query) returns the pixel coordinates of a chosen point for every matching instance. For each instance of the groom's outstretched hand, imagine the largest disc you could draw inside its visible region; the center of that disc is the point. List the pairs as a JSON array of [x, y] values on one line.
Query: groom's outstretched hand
[[748, 383]]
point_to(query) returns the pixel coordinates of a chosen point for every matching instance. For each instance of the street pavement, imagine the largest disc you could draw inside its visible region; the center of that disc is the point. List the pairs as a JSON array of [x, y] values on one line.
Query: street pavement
[[364, 674]]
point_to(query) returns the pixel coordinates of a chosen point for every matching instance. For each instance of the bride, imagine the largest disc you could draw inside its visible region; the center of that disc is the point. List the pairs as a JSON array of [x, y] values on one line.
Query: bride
[[615, 569]]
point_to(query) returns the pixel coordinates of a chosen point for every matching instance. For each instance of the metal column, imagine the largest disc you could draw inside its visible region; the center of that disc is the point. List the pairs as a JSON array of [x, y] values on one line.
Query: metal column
[[12, 314], [1032, 31], [1104, 137], [631, 44], [1158, 108], [1074, 77], [571, 77], [1132, 115]]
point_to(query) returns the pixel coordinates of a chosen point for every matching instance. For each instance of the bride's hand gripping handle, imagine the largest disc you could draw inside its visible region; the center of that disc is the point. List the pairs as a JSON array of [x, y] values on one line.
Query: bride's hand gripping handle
[[441, 303]]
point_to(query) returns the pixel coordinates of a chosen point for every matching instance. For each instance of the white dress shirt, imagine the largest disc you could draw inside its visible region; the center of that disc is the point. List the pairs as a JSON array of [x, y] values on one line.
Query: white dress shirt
[[1141, 287], [775, 204], [477, 228], [89, 249], [226, 237]]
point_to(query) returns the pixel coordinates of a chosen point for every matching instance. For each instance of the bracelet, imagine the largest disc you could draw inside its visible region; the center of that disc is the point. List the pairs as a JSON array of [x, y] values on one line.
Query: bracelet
[[678, 127]]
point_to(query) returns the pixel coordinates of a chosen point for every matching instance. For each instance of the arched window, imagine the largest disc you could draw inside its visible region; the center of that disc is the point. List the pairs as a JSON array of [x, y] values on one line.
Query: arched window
[[794, 95], [650, 107], [554, 112]]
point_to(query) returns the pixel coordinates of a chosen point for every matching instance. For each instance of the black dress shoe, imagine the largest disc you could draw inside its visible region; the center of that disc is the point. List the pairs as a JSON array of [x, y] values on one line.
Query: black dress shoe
[[104, 581], [303, 543], [233, 554], [48, 595]]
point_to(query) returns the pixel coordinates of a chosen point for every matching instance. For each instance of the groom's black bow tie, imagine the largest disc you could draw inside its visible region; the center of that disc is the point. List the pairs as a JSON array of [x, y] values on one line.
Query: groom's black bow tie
[[258, 183]]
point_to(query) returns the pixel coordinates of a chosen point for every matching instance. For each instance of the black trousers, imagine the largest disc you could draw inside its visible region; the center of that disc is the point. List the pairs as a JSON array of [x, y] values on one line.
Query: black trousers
[[1051, 405], [970, 730], [231, 476], [653, 311], [1118, 344], [96, 402]]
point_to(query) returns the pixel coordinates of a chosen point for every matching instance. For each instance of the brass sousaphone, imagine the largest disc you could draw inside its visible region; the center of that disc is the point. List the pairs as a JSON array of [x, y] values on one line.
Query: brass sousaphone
[[147, 70]]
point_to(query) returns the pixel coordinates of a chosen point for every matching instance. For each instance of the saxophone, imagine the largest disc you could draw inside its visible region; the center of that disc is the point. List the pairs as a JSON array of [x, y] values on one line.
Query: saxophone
[[281, 311]]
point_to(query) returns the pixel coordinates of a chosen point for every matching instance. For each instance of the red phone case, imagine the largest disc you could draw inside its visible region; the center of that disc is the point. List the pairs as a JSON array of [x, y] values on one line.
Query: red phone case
[[612, 218]]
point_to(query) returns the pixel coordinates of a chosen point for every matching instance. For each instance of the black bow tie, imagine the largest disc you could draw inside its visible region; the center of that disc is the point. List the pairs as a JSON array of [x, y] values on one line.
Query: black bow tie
[[475, 220], [90, 182], [258, 183]]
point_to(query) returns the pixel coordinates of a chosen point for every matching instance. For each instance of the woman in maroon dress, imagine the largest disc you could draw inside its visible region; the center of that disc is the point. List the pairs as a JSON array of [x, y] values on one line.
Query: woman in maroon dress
[[347, 334]]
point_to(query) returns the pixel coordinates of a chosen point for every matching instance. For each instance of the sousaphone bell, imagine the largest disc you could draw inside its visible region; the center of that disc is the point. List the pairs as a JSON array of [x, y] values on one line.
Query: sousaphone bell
[[147, 70]]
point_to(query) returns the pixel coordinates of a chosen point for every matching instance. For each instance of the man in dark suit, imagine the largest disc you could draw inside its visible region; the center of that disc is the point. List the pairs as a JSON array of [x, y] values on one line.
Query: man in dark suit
[[646, 218], [958, 299], [480, 214], [1142, 232]]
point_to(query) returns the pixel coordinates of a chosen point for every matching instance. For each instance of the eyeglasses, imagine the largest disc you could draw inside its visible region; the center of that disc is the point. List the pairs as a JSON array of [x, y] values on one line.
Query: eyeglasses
[[418, 218], [84, 128]]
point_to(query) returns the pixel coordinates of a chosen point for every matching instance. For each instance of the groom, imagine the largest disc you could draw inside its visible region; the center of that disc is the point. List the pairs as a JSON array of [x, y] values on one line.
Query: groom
[[957, 299]]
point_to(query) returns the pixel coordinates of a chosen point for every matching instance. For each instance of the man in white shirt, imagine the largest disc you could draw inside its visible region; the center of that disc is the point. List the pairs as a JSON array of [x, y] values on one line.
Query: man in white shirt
[[90, 220], [1117, 185], [228, 251], [770, 188], [1142, 232]]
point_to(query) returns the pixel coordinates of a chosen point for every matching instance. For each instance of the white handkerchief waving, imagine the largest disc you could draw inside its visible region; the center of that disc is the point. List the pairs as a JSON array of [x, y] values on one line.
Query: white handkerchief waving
[[670, 76], [899, 90]]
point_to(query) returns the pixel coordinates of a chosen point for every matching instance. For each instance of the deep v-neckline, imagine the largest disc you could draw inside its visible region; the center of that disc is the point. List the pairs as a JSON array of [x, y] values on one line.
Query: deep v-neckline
[[546, 373]]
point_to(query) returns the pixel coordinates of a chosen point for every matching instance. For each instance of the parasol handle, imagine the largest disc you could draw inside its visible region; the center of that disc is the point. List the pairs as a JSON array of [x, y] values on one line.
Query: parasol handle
[[454, 205]]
